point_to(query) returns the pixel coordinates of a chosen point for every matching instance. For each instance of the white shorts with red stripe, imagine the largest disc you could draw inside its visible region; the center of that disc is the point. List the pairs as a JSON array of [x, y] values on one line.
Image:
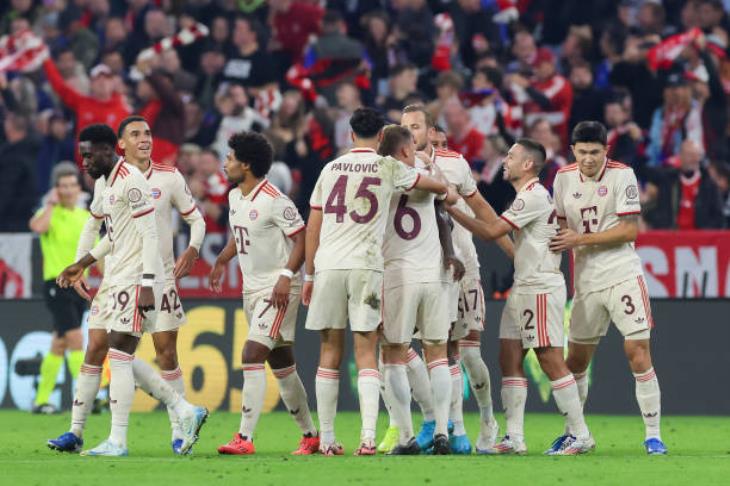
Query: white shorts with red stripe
[[100, 311], [471, 309], [171, 314], [534, 319], [124, 315], [268, 325], [626, 304]]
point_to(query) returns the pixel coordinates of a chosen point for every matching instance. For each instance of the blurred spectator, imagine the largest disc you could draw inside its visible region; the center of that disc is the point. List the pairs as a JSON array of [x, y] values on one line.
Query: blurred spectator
[[348, 100], [188, 159], [720, 173], [625, 138], [380, 48], [292, 23], [587, 99], [76, 37], [210, 189], [210, 75], [448, 86], [402, 89], [496, 190], [542, 131], [678, 119], [286, 133], [474, 27], [56, 145], [18, 187], [462, 135], [149, 25], [687, 196], [238, 116], [247, 63], [577, 47], [414, 30]]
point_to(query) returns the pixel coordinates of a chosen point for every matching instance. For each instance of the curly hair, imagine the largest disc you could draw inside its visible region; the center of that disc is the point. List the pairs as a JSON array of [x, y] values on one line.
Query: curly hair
[[253, 149], [98, 133]]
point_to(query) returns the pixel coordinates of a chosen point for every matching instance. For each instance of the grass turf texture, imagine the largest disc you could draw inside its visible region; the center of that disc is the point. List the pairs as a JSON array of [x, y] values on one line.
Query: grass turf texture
[[699, 448]]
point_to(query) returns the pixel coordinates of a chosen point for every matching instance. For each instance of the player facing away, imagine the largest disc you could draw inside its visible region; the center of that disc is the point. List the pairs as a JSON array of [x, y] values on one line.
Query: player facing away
[[597, 203], [268, 237], [533, 315], [133, 270], [168, 190], [344, 241], [414, 297], [467, 303]]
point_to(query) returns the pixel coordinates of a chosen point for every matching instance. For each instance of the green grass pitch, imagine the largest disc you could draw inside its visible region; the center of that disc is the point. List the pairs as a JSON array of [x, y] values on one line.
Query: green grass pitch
[[699, 454]]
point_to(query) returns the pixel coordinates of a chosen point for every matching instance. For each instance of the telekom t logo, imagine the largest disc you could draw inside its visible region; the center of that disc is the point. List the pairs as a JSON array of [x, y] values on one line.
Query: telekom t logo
[[589, 216], [242, 238]]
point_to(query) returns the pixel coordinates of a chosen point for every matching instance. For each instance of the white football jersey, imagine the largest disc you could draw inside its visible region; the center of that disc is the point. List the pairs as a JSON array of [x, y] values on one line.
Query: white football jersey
[[457, 171], [128, 215], [263, 223], [168, 189], [412, 249], [532, 215], [353, 192], [591, 205]]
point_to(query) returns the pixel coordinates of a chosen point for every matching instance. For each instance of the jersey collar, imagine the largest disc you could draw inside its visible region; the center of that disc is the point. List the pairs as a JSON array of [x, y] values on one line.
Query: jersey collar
[[255, 192], [148, 172], [115, 170], [529, 184], [600, 173], [361, 150]]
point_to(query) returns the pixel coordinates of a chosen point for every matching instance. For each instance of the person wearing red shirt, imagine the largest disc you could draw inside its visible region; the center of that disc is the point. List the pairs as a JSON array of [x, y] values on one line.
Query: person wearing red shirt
[[102, 105], [462, 136], [292, 23]]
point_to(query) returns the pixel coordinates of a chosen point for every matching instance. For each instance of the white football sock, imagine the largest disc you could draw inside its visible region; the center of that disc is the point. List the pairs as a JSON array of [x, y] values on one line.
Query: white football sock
[[650, 401], [420, 385], [441, 393], [327, 385], [456, 412], [121, 394], [294, 397], [152, 383], [174, 378], [87, 386], [566, 396], [514, 396], [478, 373], [396, 384], [581, 381], [252, 400], [368, 390], [385, 393]]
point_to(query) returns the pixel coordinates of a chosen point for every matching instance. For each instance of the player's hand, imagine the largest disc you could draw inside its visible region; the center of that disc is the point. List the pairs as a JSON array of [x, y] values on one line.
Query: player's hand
[[280, 295], [82, 288], [452, 196], [564, 240], [215, 277], [70, 275], [146, 301], [52, 197], [307, 292], [456, 265], [185, 262]]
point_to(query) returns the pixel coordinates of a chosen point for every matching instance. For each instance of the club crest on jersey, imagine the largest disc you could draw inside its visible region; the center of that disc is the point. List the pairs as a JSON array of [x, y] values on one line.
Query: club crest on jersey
[[518, 205], [577, 195], [253, 214], [134, 195], [602, 191], [156, 192], [290, 213], [632, 192]]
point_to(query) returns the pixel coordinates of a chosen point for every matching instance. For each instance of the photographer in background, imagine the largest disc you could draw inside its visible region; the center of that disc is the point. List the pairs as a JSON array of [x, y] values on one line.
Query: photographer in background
[[59, 223]]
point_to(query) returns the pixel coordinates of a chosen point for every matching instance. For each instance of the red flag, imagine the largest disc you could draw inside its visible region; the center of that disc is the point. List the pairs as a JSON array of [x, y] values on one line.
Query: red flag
[[662, 55]]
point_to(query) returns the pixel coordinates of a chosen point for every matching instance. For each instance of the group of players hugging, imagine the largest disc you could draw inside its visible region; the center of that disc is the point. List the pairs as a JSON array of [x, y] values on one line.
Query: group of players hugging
[[388, 248]]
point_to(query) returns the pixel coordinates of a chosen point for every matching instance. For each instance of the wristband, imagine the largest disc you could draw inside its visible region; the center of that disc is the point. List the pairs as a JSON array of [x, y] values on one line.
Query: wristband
[[287, 273], [147, 282], [308, 278]]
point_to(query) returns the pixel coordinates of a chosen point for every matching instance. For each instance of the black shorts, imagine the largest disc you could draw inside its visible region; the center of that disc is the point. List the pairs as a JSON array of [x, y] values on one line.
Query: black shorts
[[66, 306]]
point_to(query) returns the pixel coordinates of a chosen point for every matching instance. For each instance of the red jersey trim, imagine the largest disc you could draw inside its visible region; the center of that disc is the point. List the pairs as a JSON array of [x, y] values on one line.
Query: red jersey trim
[[418, 178], [189, 211], [471, 193], [261, 186], [447, 153], [97, 216], [510, 222], [163, 168], [143, 213], [121, 171], [296, 231], [561, 217], [568, 168], [628, 213], [362, 150], [603, 171], [318, 208]]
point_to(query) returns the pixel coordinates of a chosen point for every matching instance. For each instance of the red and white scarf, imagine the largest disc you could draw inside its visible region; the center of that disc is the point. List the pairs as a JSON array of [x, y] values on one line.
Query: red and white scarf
[[23, 51]]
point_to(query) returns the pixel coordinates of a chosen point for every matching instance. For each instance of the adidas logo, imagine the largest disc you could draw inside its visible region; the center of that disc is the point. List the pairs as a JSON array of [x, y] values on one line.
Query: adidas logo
[[262, 325], [245, 410], [294, 412], [124, 320], [650, 415], [233, 211], [112, 401], [478, 386], [639, 320], [577, 195], [77, 403]]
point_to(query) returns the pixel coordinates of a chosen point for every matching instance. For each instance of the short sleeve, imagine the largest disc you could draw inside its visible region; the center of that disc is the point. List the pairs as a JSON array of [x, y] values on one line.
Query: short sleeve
[[468, 186], [558, 196], [627, 194], [526, 208], [285, 215], [315, 200], [182, 197], [137, 193], [405, 177]]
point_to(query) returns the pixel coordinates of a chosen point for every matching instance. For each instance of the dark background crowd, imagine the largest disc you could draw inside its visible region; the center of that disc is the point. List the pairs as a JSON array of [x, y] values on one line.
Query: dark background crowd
[[657, 73]]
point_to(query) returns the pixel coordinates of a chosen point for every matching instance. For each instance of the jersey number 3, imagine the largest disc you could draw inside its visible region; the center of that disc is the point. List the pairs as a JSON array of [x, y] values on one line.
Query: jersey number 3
[[336, 200]]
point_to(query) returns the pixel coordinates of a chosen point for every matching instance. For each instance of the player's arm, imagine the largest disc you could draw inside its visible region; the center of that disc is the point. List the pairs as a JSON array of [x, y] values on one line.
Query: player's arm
[[624, 232], [485, 212], [69, 96], [183, 201], [219, 267], [431, 184], [311, 244], [444, 226], [487, 231]]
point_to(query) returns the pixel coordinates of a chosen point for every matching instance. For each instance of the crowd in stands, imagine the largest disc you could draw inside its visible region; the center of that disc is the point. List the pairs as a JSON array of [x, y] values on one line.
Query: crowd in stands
[[656, 72]]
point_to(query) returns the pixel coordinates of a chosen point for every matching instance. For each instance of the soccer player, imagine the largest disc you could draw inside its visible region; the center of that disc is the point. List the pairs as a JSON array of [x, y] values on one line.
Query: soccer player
[[344, 242], [533, 315], [597, 203], [414, 297], [268, 236], [133, 269], [467, 296]]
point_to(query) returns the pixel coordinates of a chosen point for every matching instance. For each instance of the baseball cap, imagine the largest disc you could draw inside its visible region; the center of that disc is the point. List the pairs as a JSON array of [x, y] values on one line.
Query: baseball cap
[[100, 70], [543, 55]]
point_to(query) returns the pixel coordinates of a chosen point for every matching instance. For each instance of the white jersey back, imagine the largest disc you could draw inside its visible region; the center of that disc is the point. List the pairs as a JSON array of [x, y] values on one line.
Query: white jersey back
[[125, 198], [532, 215], [353, 192], [594, 205], [168, 189], [412, 249], [457, 171], [263, 223]]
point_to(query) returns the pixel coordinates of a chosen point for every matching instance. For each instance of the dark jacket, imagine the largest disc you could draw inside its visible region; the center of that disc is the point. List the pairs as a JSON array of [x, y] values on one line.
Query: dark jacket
[[18, 191], [708, 206]]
